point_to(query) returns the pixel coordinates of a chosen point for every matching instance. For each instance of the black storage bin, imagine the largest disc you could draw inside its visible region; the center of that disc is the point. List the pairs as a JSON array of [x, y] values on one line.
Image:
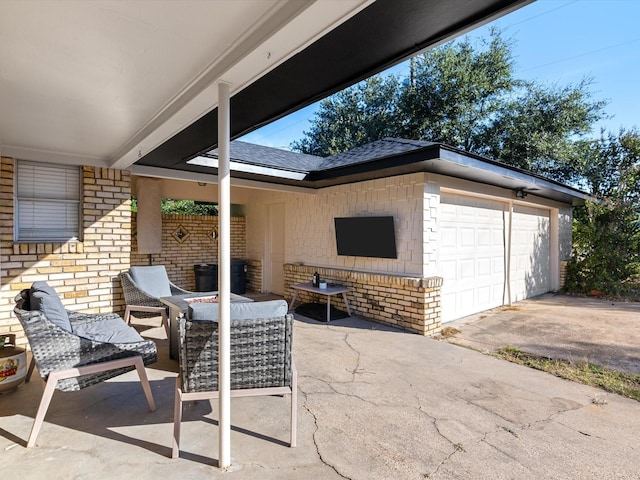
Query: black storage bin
[[206, 277], [238, 276]]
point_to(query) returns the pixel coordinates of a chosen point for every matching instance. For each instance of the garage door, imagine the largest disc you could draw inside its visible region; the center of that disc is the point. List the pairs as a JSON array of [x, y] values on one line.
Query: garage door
[[530, 257], [471, 254]]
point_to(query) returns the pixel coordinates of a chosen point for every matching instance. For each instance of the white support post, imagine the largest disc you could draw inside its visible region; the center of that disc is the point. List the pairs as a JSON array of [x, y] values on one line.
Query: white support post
[[224, 275]]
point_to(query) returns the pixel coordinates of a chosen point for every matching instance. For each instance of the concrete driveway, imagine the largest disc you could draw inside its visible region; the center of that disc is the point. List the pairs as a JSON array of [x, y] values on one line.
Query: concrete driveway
[[375, 403], [559, 326]]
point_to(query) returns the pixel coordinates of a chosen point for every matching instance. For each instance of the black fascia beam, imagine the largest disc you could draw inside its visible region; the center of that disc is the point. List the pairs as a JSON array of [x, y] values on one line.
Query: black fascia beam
[[397, 162], [383, 34]]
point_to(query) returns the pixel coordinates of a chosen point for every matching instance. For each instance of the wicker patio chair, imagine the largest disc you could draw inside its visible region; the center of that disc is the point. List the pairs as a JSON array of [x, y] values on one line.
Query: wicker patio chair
[[261, 359], [70, 362], [142, 286]]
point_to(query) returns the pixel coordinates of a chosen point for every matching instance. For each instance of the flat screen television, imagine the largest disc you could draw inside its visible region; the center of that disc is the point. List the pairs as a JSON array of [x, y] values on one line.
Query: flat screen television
[[366, 237]]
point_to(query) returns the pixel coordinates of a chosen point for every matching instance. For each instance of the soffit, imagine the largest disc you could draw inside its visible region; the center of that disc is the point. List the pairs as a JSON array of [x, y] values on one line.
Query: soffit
[[103, 82]]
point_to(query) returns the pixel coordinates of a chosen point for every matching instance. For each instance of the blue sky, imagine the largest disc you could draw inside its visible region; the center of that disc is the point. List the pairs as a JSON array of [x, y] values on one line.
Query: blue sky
[[556, 42]]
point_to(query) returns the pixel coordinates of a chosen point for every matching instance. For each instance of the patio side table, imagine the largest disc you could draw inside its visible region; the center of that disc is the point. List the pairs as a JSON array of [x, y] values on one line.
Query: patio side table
[[331, 290]]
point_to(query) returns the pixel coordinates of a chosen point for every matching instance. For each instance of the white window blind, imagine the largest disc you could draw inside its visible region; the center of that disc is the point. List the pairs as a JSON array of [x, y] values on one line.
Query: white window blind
[[47, 202]]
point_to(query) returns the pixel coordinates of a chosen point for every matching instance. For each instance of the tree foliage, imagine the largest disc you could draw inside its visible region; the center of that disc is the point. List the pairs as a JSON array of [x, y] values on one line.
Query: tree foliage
[[182, 207], [606, 234], [353, 117], [456, 92]]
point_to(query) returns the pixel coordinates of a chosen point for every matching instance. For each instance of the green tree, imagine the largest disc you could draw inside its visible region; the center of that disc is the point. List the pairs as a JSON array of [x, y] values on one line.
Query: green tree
[[182, 207], [188, 207], [540, 127], [606, 234], [353, 117], [455, 92], [611, 165]]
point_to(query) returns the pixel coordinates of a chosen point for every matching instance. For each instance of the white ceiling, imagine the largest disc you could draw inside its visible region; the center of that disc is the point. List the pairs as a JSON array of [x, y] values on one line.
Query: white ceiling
[[103, 82]]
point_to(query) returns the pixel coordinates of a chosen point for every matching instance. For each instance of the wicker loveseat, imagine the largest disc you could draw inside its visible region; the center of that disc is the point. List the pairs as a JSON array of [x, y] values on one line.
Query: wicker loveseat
[[74, 350], [261, 356]]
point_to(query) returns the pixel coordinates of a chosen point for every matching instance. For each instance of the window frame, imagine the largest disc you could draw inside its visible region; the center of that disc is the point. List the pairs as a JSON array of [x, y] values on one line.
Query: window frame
[[64, 197]]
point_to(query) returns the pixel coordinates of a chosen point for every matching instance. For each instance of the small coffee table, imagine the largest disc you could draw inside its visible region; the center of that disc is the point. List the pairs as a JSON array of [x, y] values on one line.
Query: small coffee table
[[332, 289]]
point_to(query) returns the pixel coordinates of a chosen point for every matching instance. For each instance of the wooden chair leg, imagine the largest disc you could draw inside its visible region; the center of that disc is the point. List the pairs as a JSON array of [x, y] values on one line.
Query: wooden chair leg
[[165, 322], [144, 381], [177, 420], [127, 315], [42, 409], [54, 377]]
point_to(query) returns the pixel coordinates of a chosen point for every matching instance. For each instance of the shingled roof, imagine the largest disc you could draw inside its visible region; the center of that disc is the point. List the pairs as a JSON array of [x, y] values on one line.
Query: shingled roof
[[387, 147], [274, 157], [381, 159]]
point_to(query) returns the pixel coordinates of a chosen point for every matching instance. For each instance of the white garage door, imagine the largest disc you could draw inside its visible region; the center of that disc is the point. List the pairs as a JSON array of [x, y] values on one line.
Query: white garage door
[[530, 257], [471, 254]]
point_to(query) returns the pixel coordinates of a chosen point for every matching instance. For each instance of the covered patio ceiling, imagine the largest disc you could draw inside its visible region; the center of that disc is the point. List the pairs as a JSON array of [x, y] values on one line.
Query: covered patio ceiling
[[111, 83]]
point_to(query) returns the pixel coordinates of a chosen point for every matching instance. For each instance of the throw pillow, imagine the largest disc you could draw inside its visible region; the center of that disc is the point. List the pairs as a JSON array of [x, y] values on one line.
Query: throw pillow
[[44, 298]]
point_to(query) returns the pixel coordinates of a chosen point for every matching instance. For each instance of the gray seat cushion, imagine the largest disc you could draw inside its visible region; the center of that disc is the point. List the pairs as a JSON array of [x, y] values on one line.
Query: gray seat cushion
[[110, 330], [44, 298], [153, 280], [240, 310]]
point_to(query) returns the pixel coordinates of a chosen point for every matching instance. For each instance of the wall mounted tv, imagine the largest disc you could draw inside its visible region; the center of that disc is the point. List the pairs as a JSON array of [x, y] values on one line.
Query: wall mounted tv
[[366, 237]]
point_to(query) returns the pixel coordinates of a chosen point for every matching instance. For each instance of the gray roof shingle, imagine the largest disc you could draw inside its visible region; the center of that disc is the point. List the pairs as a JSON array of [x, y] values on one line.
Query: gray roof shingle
[[271, 157], [275, 157], [386, 147]]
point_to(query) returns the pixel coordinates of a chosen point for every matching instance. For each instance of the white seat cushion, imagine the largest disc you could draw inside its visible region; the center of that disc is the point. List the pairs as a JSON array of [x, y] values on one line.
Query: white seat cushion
[[240, 310]]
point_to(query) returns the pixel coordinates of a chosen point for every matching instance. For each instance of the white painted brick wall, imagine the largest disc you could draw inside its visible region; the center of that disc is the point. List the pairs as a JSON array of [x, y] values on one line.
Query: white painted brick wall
[[430, 252]]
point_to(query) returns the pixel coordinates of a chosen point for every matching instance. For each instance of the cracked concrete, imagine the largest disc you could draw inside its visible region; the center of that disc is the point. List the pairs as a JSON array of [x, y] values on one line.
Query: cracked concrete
[[374, 403]]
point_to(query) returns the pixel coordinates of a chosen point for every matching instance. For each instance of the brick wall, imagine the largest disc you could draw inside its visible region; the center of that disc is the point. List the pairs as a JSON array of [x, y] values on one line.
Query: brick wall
[[254, 275], [187, 240], [84, 273], [407, 302]]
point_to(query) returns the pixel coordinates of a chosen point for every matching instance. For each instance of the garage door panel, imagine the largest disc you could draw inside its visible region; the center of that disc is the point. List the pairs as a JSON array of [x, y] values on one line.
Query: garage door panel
[[472, 254], [448, 270], [484, 267], [485, 238], [478, 253], [448, 238], [530, 264], [467, 270], [467, 237]]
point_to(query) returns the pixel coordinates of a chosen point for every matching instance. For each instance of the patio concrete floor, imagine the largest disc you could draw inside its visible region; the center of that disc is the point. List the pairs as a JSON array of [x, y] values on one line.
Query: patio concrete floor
[[374, 403]]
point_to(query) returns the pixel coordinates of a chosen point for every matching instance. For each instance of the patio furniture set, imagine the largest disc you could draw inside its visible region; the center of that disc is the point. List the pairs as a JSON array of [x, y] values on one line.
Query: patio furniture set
[[74, 350]]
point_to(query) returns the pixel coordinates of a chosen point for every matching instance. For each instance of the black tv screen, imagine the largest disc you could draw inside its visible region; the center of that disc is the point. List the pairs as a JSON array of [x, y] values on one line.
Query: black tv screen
[[366, 237]]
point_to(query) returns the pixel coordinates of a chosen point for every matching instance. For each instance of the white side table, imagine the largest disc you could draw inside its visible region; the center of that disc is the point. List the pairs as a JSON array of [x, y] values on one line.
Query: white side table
[[328, 292]]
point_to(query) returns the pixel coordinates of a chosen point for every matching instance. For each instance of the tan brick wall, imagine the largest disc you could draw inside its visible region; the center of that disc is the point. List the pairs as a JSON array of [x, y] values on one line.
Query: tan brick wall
[[406, 302], [196, 245], [84, 273], [254, 275]]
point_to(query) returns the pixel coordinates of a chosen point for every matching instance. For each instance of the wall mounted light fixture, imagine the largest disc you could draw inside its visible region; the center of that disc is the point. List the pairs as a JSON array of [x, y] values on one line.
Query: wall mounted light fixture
[[520, 193]]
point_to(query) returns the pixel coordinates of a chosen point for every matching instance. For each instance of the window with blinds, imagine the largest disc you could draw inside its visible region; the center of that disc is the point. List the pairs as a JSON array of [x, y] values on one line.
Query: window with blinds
[[47, 202]]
